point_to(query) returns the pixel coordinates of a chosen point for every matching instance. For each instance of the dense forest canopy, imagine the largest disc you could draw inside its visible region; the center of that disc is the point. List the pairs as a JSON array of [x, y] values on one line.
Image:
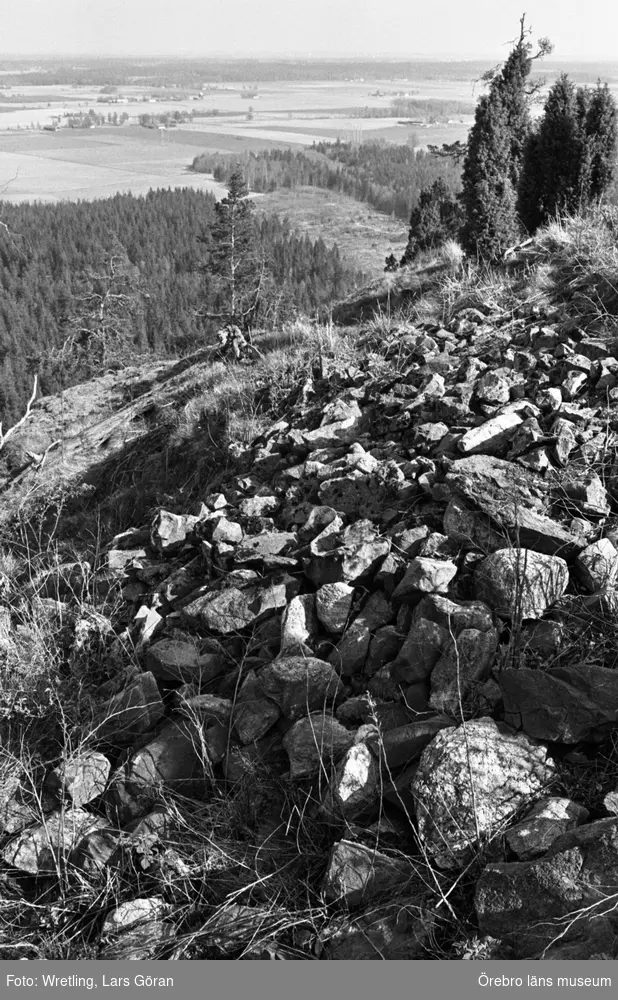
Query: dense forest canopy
[[388, 177], [50, 256]]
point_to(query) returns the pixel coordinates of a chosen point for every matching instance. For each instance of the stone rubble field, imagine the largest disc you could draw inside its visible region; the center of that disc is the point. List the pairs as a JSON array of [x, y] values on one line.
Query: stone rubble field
[[405, 606]]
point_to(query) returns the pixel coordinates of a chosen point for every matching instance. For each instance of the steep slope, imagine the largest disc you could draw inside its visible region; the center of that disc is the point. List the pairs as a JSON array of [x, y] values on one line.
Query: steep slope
[[376, 660]]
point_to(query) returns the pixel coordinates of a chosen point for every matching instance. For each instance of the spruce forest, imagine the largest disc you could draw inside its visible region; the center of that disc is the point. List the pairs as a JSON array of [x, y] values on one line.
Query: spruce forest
[[52, 255]]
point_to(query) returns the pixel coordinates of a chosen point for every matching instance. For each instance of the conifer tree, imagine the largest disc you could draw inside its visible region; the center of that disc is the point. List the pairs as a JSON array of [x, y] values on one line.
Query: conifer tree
[[570, 158], [551, 179], [436, 218], [495, 154], [234, 255], [601, 142]]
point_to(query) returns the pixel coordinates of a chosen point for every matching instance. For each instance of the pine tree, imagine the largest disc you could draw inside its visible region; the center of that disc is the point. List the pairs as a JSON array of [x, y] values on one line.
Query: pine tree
[[234, 255], [495, 155]]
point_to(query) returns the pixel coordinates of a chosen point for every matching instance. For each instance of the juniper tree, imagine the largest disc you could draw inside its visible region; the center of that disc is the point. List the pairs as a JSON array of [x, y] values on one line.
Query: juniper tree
[[601, 141], [495, 154], [436, 218], [551, 178], [570, 158]]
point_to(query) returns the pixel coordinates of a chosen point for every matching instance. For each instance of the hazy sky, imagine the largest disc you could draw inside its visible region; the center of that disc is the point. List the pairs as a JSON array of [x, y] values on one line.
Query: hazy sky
[[585, 29]]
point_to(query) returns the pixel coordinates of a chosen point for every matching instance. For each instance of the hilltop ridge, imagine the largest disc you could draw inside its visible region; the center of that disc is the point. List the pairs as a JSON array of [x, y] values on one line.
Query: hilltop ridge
[[316, 655]]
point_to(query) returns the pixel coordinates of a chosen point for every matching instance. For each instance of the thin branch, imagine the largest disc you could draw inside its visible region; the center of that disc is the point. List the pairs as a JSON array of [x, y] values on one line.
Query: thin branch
[[4, 437]]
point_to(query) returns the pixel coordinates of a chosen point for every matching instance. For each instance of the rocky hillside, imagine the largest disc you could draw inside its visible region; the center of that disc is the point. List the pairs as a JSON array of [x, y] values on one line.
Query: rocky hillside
[[360, 701]]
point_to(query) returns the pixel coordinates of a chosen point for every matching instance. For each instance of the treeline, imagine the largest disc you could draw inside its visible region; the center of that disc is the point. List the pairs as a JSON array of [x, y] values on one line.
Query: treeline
[[55, 259], [431, 109], [413, 107], [188, 72], [165, 118], [386, 176]]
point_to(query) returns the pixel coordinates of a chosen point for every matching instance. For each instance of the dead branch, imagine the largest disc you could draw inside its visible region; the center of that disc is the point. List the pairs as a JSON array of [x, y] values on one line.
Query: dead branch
[[5, 436], [517, 246]]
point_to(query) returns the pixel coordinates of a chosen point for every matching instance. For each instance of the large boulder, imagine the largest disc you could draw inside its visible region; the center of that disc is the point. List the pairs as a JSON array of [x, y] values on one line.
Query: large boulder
[[469, 781]]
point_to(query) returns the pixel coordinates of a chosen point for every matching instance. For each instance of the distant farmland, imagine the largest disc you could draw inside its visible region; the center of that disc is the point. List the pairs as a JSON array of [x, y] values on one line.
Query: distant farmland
[[96, 163], [73, 164]]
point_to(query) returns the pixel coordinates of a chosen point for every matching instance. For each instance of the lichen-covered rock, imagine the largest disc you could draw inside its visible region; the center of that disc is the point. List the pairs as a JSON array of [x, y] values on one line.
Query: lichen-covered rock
[[313, 743], [354, 787], [169, 531], [520, 583], [171, 761], [427, 575], [597, 566], [469, 781], [356, 874], [345, 556], [546, 821], [82, 777], [340, 425], [130, 712], [420, 651], [349, 655], [254, 714], [234, 609], [256, 549], [465, 661], [133, 912], [173, 660], [300, 685], [299, 625], [39, 849], [333, 603]]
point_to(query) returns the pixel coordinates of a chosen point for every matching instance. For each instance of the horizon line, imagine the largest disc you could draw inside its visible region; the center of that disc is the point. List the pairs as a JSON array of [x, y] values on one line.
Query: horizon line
[[286, 56]]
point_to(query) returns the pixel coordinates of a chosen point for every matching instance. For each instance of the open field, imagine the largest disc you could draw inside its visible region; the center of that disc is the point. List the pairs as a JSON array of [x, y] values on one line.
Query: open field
[[98, 163], [73, 164], [364, 236]]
